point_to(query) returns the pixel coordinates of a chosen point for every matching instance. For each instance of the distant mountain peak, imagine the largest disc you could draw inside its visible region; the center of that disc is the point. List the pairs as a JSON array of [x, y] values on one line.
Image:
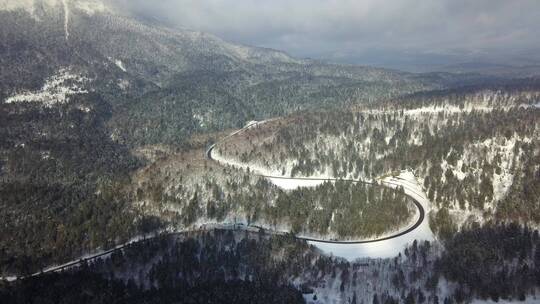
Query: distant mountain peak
[[39, 8]]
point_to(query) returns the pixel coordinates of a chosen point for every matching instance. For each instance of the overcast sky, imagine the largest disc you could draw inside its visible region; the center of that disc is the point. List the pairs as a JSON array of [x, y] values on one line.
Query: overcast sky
[[362, 30]]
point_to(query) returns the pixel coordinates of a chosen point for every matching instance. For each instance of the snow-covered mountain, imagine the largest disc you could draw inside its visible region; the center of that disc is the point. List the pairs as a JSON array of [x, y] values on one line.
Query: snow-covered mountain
[[192, 81], [66, 26], [83, 85]]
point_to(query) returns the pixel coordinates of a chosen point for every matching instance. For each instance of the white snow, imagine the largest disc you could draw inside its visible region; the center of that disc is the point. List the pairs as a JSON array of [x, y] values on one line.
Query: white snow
[[273, 175], [291, 184], [120, 65], [9, 279], [456, 170], [84, 109], [502, 184], [123, 84], [204, 119], [28, 5], [45, 155], [241, 51], [66, 18], [56, 90], [448, 109], [530, 106], [88, 7], [503, 181], [12, 5], [248, 53], [91, 7]]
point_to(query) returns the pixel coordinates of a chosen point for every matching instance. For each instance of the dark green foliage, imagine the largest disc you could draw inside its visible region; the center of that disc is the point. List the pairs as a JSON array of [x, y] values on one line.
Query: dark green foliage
[[209, 268], [441, 224], [524, 194], [87, 287], [62, 182], [345, 209], [46, 224], [492, 261]]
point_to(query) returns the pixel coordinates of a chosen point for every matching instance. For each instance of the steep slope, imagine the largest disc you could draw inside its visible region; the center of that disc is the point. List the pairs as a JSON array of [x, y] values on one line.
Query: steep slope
[[82, 86], [475, 149], [195, 78]]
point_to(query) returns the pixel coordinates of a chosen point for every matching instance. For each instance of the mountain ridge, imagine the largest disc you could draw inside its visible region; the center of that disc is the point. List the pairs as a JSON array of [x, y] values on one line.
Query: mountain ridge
[[140, 67]]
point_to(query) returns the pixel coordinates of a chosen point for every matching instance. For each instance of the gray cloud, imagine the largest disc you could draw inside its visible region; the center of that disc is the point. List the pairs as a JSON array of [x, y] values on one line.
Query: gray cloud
[[355, 28]]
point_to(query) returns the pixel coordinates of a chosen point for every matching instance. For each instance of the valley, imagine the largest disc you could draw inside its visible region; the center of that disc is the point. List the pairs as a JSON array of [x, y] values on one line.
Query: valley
[[143, 162], [405, 185]]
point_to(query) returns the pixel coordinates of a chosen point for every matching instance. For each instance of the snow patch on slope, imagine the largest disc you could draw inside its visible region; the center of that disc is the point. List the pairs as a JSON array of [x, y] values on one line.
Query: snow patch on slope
[[12, 5], [120, 65], [266, 55], [66, 18], [91, 7], [449, 109], [56, 90], [204, 119]]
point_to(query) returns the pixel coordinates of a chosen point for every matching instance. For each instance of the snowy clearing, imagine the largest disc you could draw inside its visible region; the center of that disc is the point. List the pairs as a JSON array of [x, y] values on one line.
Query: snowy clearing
[[120, 65], [56, 90]]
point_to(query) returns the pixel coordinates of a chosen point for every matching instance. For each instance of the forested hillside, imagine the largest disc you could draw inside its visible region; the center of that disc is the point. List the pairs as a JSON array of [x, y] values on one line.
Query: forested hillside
[[176, 191], [490, 262], [204, 268], [164, 84], [82, 87], [61, 181], [187, 190], [475, 151], [103, 123], [142, 163]]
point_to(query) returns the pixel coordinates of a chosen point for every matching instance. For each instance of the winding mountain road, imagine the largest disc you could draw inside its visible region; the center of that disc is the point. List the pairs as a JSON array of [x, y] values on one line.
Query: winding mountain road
[[414, 195], [421, 210]]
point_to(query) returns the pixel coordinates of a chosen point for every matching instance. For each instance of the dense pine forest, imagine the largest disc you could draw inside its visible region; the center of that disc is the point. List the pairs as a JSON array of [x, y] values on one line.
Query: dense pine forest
[[61, 193], [166, 271]]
